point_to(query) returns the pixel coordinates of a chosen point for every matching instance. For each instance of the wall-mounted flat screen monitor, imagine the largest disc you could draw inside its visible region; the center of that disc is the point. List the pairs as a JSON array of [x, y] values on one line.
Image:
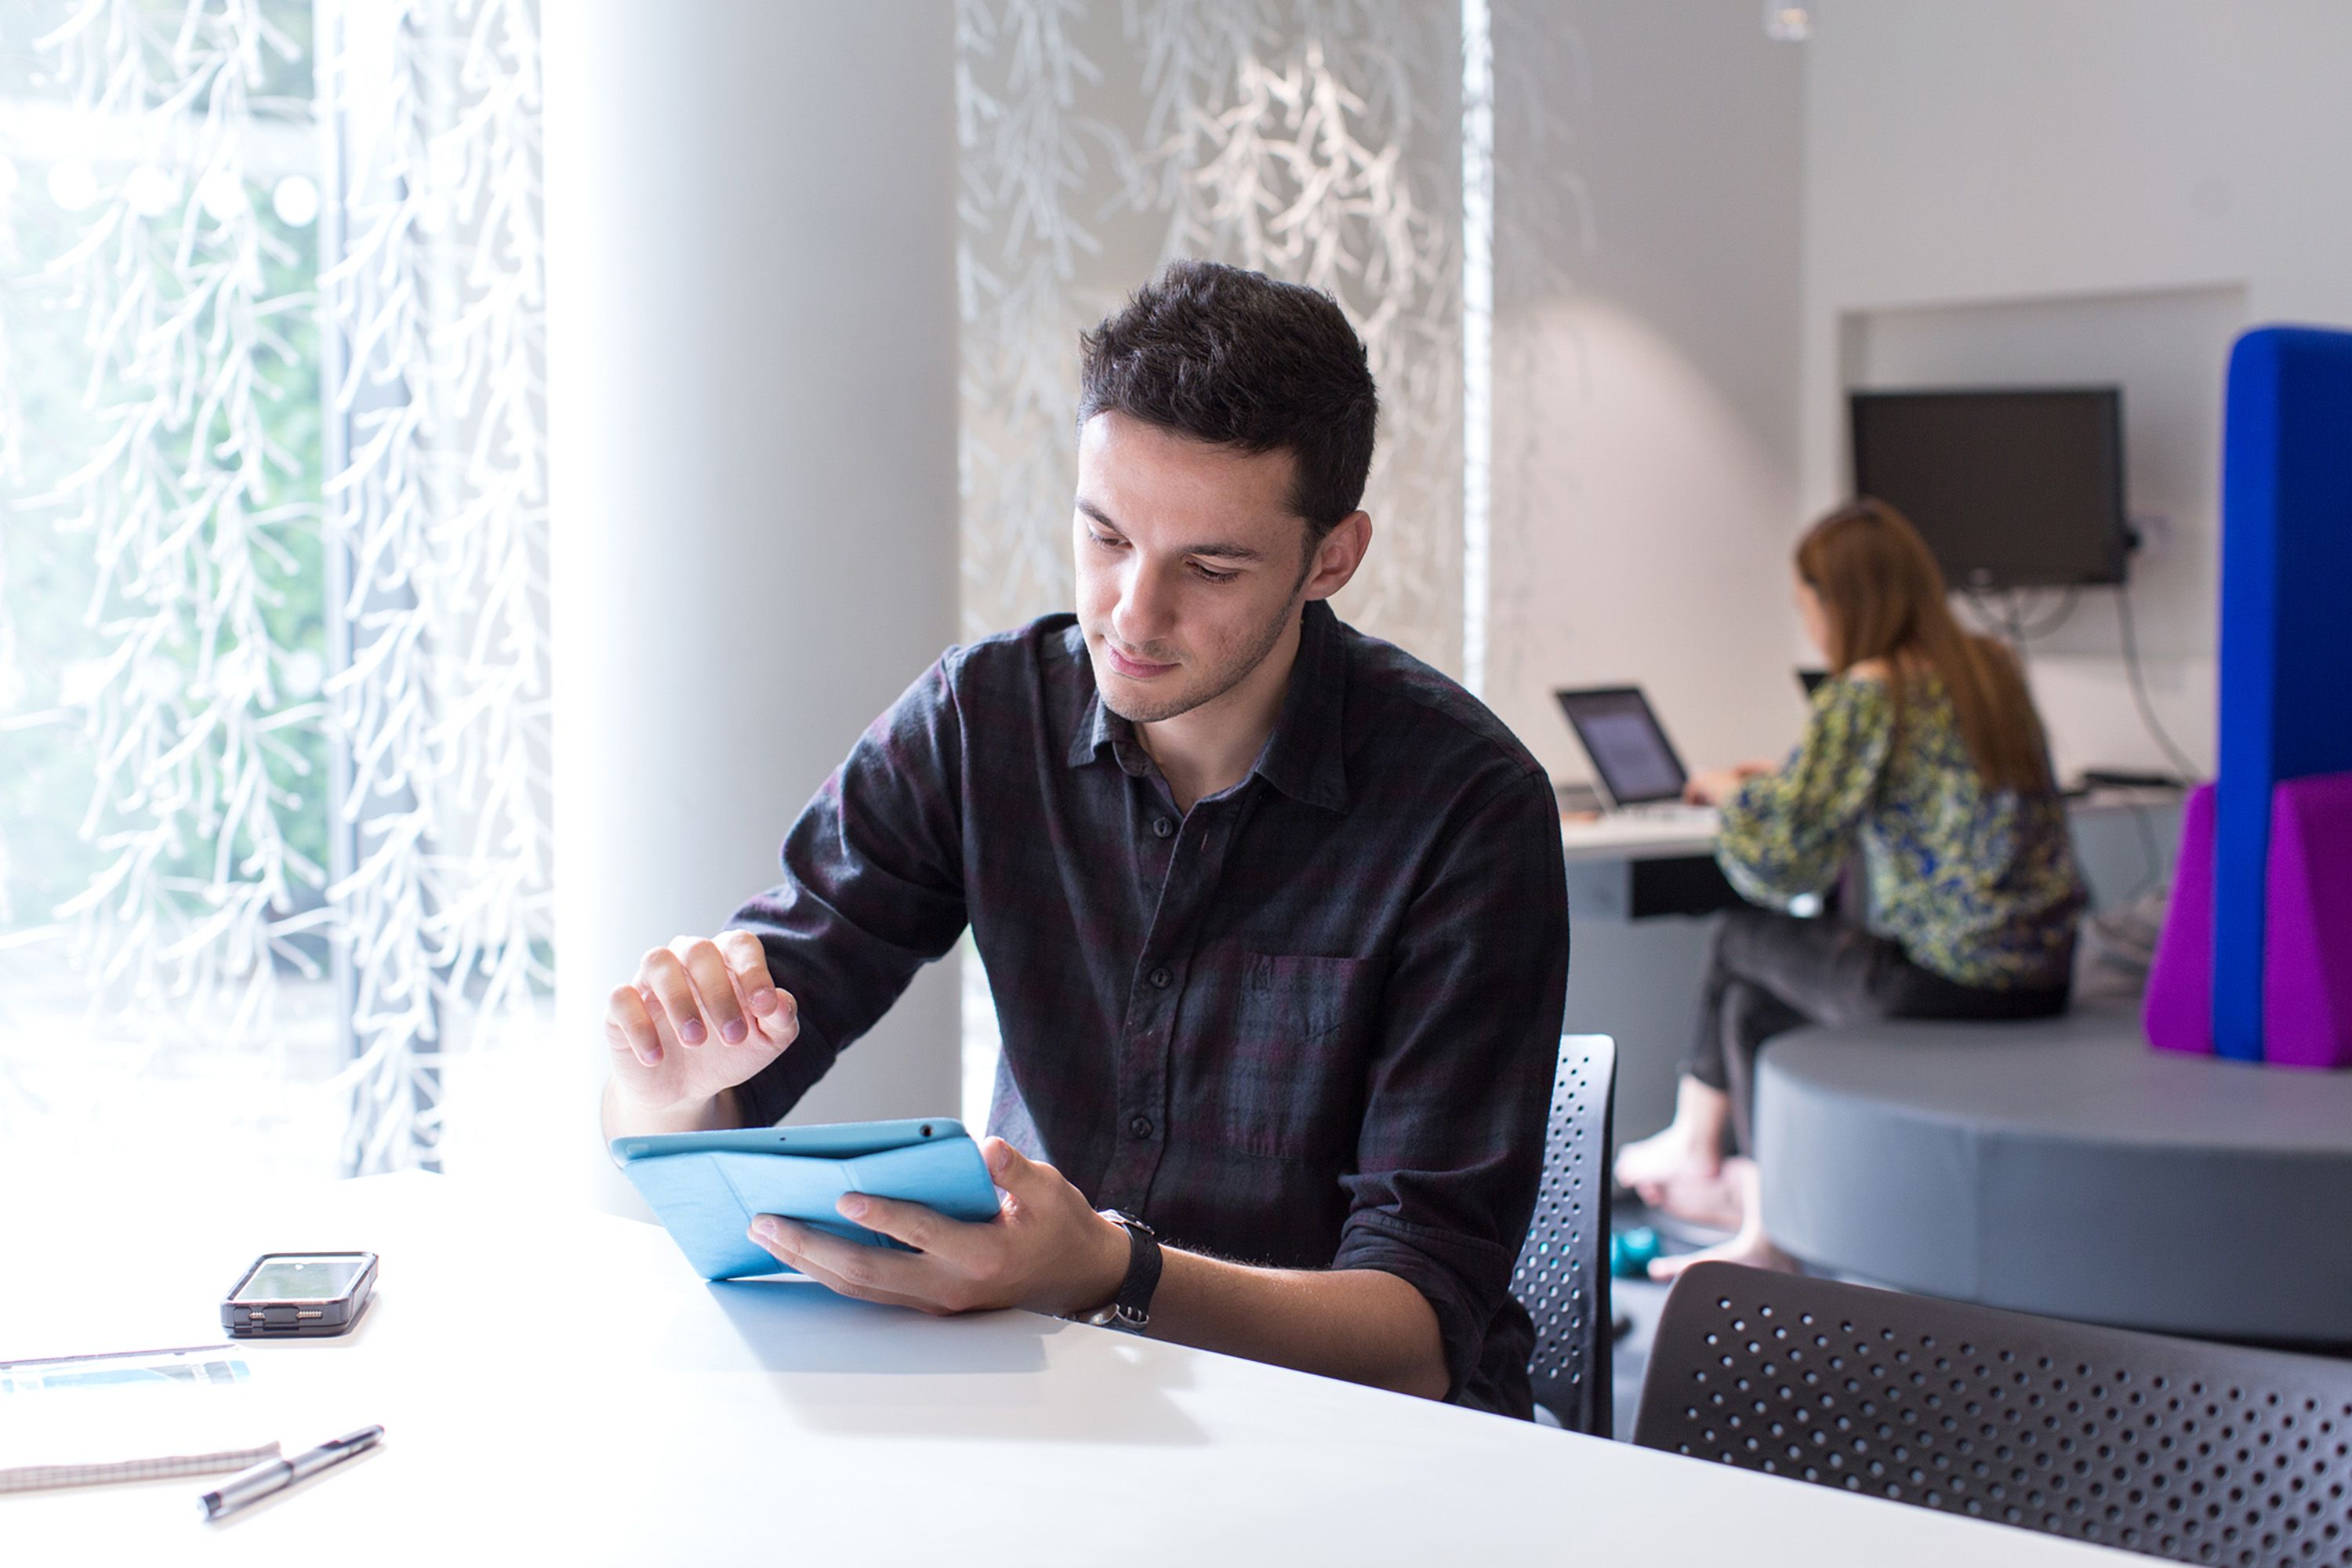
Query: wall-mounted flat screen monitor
[[2009, 488]]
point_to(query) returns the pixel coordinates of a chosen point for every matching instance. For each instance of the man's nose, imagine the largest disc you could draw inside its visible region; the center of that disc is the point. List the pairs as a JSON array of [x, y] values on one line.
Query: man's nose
[[1146, 609]]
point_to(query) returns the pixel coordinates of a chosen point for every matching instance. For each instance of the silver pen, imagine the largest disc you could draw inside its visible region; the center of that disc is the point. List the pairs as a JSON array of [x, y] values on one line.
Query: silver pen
[[276, 1475]]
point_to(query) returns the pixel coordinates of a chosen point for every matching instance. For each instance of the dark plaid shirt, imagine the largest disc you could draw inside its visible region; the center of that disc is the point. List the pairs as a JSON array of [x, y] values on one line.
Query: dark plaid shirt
[[1310, 1023]]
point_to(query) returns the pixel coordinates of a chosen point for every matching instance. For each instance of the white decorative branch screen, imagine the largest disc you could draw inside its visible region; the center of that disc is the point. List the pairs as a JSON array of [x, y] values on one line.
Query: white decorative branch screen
[[1319, 142], [272, 665]]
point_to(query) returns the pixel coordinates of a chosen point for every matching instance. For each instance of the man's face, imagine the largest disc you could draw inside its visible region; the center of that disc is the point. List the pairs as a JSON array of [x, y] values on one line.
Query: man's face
[[1190, 564]]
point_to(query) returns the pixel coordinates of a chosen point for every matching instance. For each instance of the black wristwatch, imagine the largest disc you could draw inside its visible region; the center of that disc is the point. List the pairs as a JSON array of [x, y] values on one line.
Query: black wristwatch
[[1131, 1307]]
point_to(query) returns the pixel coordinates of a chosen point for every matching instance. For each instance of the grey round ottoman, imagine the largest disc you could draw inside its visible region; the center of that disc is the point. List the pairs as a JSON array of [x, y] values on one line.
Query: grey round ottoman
[[2062, 1167]]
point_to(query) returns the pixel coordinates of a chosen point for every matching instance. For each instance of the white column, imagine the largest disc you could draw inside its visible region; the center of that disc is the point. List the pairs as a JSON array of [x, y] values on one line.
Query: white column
[[752, 335]]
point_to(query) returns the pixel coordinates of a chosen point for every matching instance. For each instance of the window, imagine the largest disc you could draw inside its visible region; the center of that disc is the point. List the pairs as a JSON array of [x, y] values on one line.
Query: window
[[272, 670]]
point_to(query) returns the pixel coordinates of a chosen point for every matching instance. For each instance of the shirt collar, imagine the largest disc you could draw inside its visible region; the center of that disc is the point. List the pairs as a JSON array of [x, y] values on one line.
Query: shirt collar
[[1097, 725], [1304, 758]]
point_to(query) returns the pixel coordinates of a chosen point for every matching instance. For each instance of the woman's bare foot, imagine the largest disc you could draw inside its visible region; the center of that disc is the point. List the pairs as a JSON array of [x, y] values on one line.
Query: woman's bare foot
[[1751, 1245], [1689, 1149], [1713, 1202], [1667, 1157]]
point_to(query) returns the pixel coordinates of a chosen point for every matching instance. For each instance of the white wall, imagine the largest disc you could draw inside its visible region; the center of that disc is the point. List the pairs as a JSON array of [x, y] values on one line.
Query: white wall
[[1647, 207], [1646, 374], [753, 364], [2105, 189]]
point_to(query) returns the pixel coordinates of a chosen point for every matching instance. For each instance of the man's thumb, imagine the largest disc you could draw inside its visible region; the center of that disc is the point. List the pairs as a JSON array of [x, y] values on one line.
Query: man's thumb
[[1007, 1166]]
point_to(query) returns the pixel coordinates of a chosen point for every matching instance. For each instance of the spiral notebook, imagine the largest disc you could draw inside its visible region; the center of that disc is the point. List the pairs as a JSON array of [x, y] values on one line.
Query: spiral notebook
[[134, 1416]]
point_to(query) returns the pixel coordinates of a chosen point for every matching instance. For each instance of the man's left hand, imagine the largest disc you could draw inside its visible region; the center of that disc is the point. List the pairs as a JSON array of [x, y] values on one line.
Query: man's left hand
[[1046, 1250]]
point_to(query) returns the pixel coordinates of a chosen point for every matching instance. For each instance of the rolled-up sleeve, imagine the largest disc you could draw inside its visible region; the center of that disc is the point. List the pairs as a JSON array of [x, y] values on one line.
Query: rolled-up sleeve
[[873, 887], [1788, 833], [1459, 1087]]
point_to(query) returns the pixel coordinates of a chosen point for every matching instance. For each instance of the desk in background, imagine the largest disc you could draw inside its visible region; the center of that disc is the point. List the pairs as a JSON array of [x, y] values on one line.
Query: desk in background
[[1630, 867], [1639, 890], [647, 1417]]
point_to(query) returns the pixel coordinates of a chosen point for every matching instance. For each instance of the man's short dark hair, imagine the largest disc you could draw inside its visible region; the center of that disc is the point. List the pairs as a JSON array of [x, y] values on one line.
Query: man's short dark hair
[[1236, 359]]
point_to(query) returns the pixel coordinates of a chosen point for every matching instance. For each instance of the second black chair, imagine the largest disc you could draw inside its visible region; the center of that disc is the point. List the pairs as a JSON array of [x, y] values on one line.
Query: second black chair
[[2177, 1449]]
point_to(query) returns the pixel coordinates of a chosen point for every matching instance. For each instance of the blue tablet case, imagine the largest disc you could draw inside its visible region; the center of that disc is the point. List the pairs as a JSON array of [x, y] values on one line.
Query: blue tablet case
[[707, 1187]]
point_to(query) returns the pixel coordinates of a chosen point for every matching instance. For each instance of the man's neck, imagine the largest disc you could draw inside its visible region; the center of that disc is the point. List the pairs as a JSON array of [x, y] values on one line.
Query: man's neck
[[1212, 748]]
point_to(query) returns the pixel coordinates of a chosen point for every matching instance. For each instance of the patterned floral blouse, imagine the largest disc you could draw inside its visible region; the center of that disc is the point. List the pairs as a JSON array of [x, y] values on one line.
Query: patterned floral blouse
[[1980, 888]]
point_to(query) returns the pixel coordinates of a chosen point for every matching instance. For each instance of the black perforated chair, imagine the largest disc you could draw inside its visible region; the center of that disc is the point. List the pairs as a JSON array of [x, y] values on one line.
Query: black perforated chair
[[1562, 1277], [2176, 1448]]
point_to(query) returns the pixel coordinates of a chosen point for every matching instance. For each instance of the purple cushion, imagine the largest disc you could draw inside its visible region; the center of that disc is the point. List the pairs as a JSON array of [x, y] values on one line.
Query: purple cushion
[[2178, 1011], [2308, 936]]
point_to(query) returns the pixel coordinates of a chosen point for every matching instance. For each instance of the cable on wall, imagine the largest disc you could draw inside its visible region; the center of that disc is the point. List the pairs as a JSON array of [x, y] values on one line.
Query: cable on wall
[[2179, 758]]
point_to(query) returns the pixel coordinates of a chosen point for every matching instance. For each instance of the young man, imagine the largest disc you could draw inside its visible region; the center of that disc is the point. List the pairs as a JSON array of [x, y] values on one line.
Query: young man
[[1274, 915]]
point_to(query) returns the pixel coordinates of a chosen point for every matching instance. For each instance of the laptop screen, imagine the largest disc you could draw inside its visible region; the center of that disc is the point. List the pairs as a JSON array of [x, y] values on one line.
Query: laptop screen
[[1630, 751]]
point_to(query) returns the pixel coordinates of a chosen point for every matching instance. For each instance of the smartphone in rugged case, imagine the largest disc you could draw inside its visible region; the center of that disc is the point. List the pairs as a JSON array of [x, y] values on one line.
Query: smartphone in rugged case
[[707, 1187], [299, 1295]]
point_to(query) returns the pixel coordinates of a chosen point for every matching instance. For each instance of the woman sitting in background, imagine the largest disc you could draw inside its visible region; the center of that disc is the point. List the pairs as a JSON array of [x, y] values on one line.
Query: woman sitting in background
[[1925, 749]]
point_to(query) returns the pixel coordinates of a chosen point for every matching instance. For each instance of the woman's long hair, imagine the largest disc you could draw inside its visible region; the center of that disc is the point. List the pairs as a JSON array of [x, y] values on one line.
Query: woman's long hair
[[1883, 597]]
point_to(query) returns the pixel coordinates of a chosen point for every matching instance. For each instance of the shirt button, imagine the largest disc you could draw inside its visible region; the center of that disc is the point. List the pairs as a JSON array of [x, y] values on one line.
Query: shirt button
[[1160, 977], [1162, 827], [1138, 1126]]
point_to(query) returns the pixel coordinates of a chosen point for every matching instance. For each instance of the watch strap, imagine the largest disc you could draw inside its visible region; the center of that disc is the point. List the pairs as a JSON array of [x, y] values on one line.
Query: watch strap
[[1131, 1307]]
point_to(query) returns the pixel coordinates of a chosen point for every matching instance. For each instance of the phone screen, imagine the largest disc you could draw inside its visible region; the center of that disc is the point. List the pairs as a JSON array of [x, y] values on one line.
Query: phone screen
[[316, 1277]]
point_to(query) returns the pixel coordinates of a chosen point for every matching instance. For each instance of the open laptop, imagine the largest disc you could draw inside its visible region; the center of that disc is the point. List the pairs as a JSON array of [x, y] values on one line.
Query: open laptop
[[1635, 763]]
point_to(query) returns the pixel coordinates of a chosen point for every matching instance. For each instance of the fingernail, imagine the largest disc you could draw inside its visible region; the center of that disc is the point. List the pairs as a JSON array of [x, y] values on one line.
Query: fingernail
[[765, 1227], [690, 1032], [851, 1207], [763, 1001], [652, 1056], [732, 1031]]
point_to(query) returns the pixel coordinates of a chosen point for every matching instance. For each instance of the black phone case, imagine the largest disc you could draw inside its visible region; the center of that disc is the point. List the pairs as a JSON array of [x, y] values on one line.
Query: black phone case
[[298, 1320]]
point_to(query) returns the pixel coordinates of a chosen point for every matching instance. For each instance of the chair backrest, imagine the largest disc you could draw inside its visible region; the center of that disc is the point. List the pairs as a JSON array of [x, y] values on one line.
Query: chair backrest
[[2177, 1449], [1562, 1277]]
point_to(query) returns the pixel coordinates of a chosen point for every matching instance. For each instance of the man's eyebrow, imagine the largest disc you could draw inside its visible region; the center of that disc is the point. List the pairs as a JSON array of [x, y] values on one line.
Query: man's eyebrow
[[1220, 550]]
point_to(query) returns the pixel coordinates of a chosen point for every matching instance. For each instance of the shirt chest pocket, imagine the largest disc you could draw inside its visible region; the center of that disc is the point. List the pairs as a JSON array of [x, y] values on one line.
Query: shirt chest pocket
[[1271, 1053]]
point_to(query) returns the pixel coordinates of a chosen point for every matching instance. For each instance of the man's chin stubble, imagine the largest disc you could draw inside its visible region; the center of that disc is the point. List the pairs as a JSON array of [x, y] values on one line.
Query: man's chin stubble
[[1148, 713], [1161, 713]]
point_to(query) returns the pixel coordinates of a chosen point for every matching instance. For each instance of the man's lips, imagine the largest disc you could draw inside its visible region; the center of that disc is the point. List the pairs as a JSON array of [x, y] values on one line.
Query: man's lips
[[1133, 668]]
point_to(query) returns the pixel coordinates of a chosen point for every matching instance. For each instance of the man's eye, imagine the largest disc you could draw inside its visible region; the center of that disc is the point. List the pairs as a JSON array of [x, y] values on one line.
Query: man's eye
[[1108, 542], [1209, 577]]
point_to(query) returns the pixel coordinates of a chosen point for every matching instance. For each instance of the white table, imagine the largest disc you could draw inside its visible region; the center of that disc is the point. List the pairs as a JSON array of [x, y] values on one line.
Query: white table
[[1627, 836], [644, 1416]]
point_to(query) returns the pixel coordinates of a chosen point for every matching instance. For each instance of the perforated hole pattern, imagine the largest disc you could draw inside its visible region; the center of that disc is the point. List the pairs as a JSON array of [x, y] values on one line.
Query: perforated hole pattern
[[1562, 1276], [2183, 1450]]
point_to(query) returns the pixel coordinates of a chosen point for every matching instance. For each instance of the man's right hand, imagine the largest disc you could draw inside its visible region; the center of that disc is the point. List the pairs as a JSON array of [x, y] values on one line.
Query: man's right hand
[[701, 1016]]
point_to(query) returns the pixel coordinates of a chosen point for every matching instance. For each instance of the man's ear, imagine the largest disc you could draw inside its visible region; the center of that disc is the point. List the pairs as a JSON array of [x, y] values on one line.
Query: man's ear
[[1337, 556]]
